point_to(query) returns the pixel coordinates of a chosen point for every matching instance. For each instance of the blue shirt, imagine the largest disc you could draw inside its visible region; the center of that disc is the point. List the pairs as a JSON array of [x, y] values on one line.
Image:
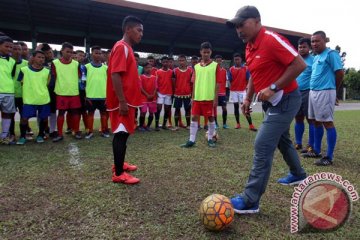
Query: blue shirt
[[303, 79], [323, 70]]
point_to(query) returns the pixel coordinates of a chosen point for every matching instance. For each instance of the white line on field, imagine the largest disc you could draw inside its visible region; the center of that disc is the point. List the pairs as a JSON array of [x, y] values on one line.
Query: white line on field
[[74, 153]]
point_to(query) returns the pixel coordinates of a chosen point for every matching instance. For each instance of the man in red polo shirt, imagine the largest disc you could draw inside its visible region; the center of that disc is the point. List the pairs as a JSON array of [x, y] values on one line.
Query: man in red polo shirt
[[274, 65], [123, 96]]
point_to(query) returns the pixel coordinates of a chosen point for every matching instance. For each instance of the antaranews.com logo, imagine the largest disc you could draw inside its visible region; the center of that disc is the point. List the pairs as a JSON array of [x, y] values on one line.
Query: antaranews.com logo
[[322, 201]]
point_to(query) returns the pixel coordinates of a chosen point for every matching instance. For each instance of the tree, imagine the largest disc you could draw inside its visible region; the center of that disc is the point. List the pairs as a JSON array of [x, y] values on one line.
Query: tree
[[352, 83]]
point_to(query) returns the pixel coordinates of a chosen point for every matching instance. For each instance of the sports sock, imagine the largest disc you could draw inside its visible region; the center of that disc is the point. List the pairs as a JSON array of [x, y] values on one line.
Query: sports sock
[[193, 130], [23, 128], [331, 141], [42, 125], [75, 122], [249, 120], [224, 116], [12, 126], [84, 118], [60, 124], [157, 118], [119, 151], [5, 123], [142, 121], [319, 133], [68, 120], [90, 122], [211, 130], [150, 119], [299, 131], [237, 113], [52, 122], [103, 121], [311, 135]]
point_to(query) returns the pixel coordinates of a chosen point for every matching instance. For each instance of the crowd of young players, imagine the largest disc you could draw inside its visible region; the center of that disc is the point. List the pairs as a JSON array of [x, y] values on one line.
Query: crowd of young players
[[71, 87]]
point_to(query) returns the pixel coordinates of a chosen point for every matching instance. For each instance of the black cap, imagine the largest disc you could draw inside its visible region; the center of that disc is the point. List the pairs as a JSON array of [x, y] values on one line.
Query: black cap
[[242, 14]]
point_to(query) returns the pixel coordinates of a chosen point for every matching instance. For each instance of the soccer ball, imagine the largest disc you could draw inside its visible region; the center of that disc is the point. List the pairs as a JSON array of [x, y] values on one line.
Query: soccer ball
[[216, 212], [215, 136]]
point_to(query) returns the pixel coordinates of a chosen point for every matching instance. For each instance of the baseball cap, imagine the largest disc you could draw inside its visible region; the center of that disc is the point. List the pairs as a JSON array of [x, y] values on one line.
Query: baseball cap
[[242, 14]]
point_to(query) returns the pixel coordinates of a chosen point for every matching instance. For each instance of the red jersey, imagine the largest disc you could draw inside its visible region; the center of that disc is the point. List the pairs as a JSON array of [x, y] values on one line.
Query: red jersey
[[238, 78], [153, 71], [268, 58], [122, 61], [148, 83], [222, 82], [164, 81], [183, 81]]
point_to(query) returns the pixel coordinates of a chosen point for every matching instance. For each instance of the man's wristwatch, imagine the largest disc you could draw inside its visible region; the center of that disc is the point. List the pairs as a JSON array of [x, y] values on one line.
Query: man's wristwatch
[[273, 87]]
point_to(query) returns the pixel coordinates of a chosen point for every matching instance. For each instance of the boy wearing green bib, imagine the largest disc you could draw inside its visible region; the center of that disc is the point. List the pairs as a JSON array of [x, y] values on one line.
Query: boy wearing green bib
[[204, 99], [96, 77], [7, 100], [36, 98], [66, 73]]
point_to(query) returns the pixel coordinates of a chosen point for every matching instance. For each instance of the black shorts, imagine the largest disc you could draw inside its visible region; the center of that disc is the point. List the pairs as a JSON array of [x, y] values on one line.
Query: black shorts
[[222, 101], [182, 101], [304, 108], [92, 105]]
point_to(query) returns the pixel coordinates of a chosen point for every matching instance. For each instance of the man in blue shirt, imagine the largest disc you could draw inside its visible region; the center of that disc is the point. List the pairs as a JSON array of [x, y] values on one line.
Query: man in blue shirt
[[326, 76], [303, 80]]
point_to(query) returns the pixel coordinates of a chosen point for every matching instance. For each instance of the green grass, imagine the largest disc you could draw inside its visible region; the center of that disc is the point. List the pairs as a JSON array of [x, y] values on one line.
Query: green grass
[[44, 194]]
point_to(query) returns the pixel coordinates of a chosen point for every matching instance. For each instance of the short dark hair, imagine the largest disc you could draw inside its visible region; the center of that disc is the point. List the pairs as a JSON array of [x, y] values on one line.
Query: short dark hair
[[218, 56], [79, 51], [146, 64], [37, 52], [304, 40], [170, 58], [321, 33], [181, 56], [22, 43], [136, 55], [17, 43], [164, 58], [205, 45], [150, 57], [96, 47], [4, 39], [194, 57], [130, 21], [45, 47], [66, 45], [236, 55]]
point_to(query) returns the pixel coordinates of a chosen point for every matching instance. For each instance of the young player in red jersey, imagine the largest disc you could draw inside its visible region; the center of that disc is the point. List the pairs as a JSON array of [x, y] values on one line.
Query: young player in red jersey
[[152, 61], [148, 89], [222, 92], [183, 90], [123, 96], [165, 91], [239, 76]]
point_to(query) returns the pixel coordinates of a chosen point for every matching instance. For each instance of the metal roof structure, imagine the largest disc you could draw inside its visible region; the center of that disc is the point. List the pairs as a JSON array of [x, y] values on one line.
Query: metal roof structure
[[98, 22]]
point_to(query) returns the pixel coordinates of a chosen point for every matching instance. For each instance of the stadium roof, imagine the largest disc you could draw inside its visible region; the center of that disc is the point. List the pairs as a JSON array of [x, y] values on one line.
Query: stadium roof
[[166, 31]]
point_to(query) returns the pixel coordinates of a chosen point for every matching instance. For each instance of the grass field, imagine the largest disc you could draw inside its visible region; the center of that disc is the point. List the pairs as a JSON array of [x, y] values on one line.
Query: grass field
[[64, 190]]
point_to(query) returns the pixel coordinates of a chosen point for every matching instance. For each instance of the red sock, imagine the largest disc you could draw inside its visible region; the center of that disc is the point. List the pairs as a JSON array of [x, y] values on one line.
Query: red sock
[[75, 122], [68, 120], [90, 122], [85, 119], [60, 124], [104, 122]]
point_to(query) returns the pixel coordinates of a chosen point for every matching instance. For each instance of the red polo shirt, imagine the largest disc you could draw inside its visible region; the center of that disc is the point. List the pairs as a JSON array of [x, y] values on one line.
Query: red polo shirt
[[268, 58]]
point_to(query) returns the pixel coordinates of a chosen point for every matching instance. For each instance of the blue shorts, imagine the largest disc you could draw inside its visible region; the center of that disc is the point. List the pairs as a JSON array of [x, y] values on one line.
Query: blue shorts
[[42, 111]]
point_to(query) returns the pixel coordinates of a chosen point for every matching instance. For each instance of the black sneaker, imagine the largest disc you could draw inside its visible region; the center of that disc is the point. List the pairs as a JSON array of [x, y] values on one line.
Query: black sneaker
[[68, 131], [307, 149], [54, 134], [58, 138], [78, 135], [298, 146], [311, 154], [325, 161]]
